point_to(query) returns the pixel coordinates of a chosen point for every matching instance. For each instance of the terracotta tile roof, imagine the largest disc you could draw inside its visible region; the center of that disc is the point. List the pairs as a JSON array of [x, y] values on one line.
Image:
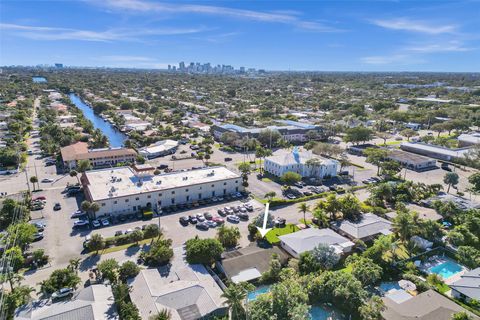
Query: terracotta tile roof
[[79, 151]]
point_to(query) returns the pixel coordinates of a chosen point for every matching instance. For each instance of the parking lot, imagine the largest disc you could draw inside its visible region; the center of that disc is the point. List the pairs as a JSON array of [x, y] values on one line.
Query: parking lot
[[173, 229]]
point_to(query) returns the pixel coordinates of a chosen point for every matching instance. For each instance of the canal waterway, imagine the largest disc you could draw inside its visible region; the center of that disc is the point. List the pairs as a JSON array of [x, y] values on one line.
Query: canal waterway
[[115, 137]]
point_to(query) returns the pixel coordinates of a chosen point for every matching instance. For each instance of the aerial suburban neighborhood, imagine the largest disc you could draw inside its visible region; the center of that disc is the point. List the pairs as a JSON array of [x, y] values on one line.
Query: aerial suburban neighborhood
[[194, 190]]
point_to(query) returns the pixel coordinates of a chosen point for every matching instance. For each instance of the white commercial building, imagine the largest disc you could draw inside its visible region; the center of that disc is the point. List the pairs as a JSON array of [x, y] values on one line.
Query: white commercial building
[[125, 190], [304, 163], [159, 148], [469, 139]]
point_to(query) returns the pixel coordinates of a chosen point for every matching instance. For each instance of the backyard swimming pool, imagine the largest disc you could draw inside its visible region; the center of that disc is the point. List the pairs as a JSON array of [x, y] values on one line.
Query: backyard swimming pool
[[446, 269], [252, 295]]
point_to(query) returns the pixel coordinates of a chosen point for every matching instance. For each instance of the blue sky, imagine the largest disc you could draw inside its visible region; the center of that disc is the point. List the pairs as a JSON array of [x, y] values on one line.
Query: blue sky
[[275, 35]]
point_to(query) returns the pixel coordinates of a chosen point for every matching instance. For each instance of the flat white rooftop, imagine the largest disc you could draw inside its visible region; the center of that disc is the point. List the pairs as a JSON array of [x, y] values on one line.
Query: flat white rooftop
[[124, 181]]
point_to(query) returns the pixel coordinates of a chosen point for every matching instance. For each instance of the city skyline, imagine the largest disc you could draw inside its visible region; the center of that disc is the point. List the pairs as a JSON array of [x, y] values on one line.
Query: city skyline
[[296, 36]]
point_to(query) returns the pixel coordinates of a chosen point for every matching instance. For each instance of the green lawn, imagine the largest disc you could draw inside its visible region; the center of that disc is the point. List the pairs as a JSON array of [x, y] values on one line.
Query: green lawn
[[272, 235], [267, 180]]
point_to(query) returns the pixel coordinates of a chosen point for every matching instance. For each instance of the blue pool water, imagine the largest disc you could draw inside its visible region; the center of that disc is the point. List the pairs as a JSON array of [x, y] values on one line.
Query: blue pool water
[[446, 269], [39, 79], [389, 285], [252, 295], [322, 313]]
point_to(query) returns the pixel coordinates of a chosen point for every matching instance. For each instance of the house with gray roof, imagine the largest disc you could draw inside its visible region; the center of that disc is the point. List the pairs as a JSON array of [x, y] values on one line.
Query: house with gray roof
[[305, 240], [366, 228], [94, 302], [187, 291], [428, 305], [468, 286], [247, 264]]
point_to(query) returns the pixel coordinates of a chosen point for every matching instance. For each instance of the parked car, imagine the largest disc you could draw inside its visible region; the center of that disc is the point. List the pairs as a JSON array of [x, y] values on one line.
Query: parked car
[[192, 219], [248, 206], [80, 223], [73, 192], [200, 217], [105, 222], [162, 167], [242, 216], [47, 180], [183, 221], [202, 226], [228, 159], [57, 206], [445, 167], [128, 231], [38, 236], [62, 293], [78, 214], [218, 220], [221, 212], [208, 215], [291, 196], [211, 224], [118, 233], [96, 224], [40, 225], [233, 218], [280, 222], [42, 198]]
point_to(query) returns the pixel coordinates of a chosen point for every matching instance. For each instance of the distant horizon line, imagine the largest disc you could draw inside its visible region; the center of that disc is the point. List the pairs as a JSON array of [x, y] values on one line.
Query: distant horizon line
[[263, 69]]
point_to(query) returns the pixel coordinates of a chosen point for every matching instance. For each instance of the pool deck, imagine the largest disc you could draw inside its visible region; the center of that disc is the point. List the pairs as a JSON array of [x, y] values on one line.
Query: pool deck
[[455, 277], [439, 260]]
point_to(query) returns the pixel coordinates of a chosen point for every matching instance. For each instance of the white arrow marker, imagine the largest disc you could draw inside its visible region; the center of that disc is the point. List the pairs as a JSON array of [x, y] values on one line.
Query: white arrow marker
[[264, 229]]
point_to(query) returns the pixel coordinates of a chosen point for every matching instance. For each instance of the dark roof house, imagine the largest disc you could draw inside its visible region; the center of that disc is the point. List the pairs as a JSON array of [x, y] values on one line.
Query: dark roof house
[[248, 263], [428, 305], [468, 286]]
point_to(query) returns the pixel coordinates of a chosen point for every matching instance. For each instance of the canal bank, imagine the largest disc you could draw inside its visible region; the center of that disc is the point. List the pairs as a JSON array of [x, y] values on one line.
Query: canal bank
[[115, 137]]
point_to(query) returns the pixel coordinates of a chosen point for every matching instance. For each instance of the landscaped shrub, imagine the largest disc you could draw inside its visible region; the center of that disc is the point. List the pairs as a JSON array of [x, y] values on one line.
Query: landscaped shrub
[[109, 242], [123, 239]]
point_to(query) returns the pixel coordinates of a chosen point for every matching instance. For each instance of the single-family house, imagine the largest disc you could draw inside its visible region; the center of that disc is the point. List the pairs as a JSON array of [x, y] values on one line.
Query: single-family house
[[468, 286], [366, 228], [305, 240]]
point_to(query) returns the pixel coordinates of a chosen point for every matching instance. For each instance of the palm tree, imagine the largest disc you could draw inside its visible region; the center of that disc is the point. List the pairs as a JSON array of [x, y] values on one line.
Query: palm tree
[[270, 195], [83, 165], [74, 173], [303, 207], [403, 226], [33, 180], [322, 218], [164, 314], [73, 264], [85, 206], [234, 296], [330, 206], [94, 207]]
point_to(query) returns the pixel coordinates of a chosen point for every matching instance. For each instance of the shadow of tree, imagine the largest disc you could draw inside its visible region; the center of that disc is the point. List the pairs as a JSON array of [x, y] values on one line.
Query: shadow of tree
[[89, 262]]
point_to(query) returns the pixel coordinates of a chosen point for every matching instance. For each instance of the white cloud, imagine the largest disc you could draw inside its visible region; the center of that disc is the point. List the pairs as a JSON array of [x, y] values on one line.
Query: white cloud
[[406, 24], [401, 59], [451, 46], [284, 17], [53, 33]]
